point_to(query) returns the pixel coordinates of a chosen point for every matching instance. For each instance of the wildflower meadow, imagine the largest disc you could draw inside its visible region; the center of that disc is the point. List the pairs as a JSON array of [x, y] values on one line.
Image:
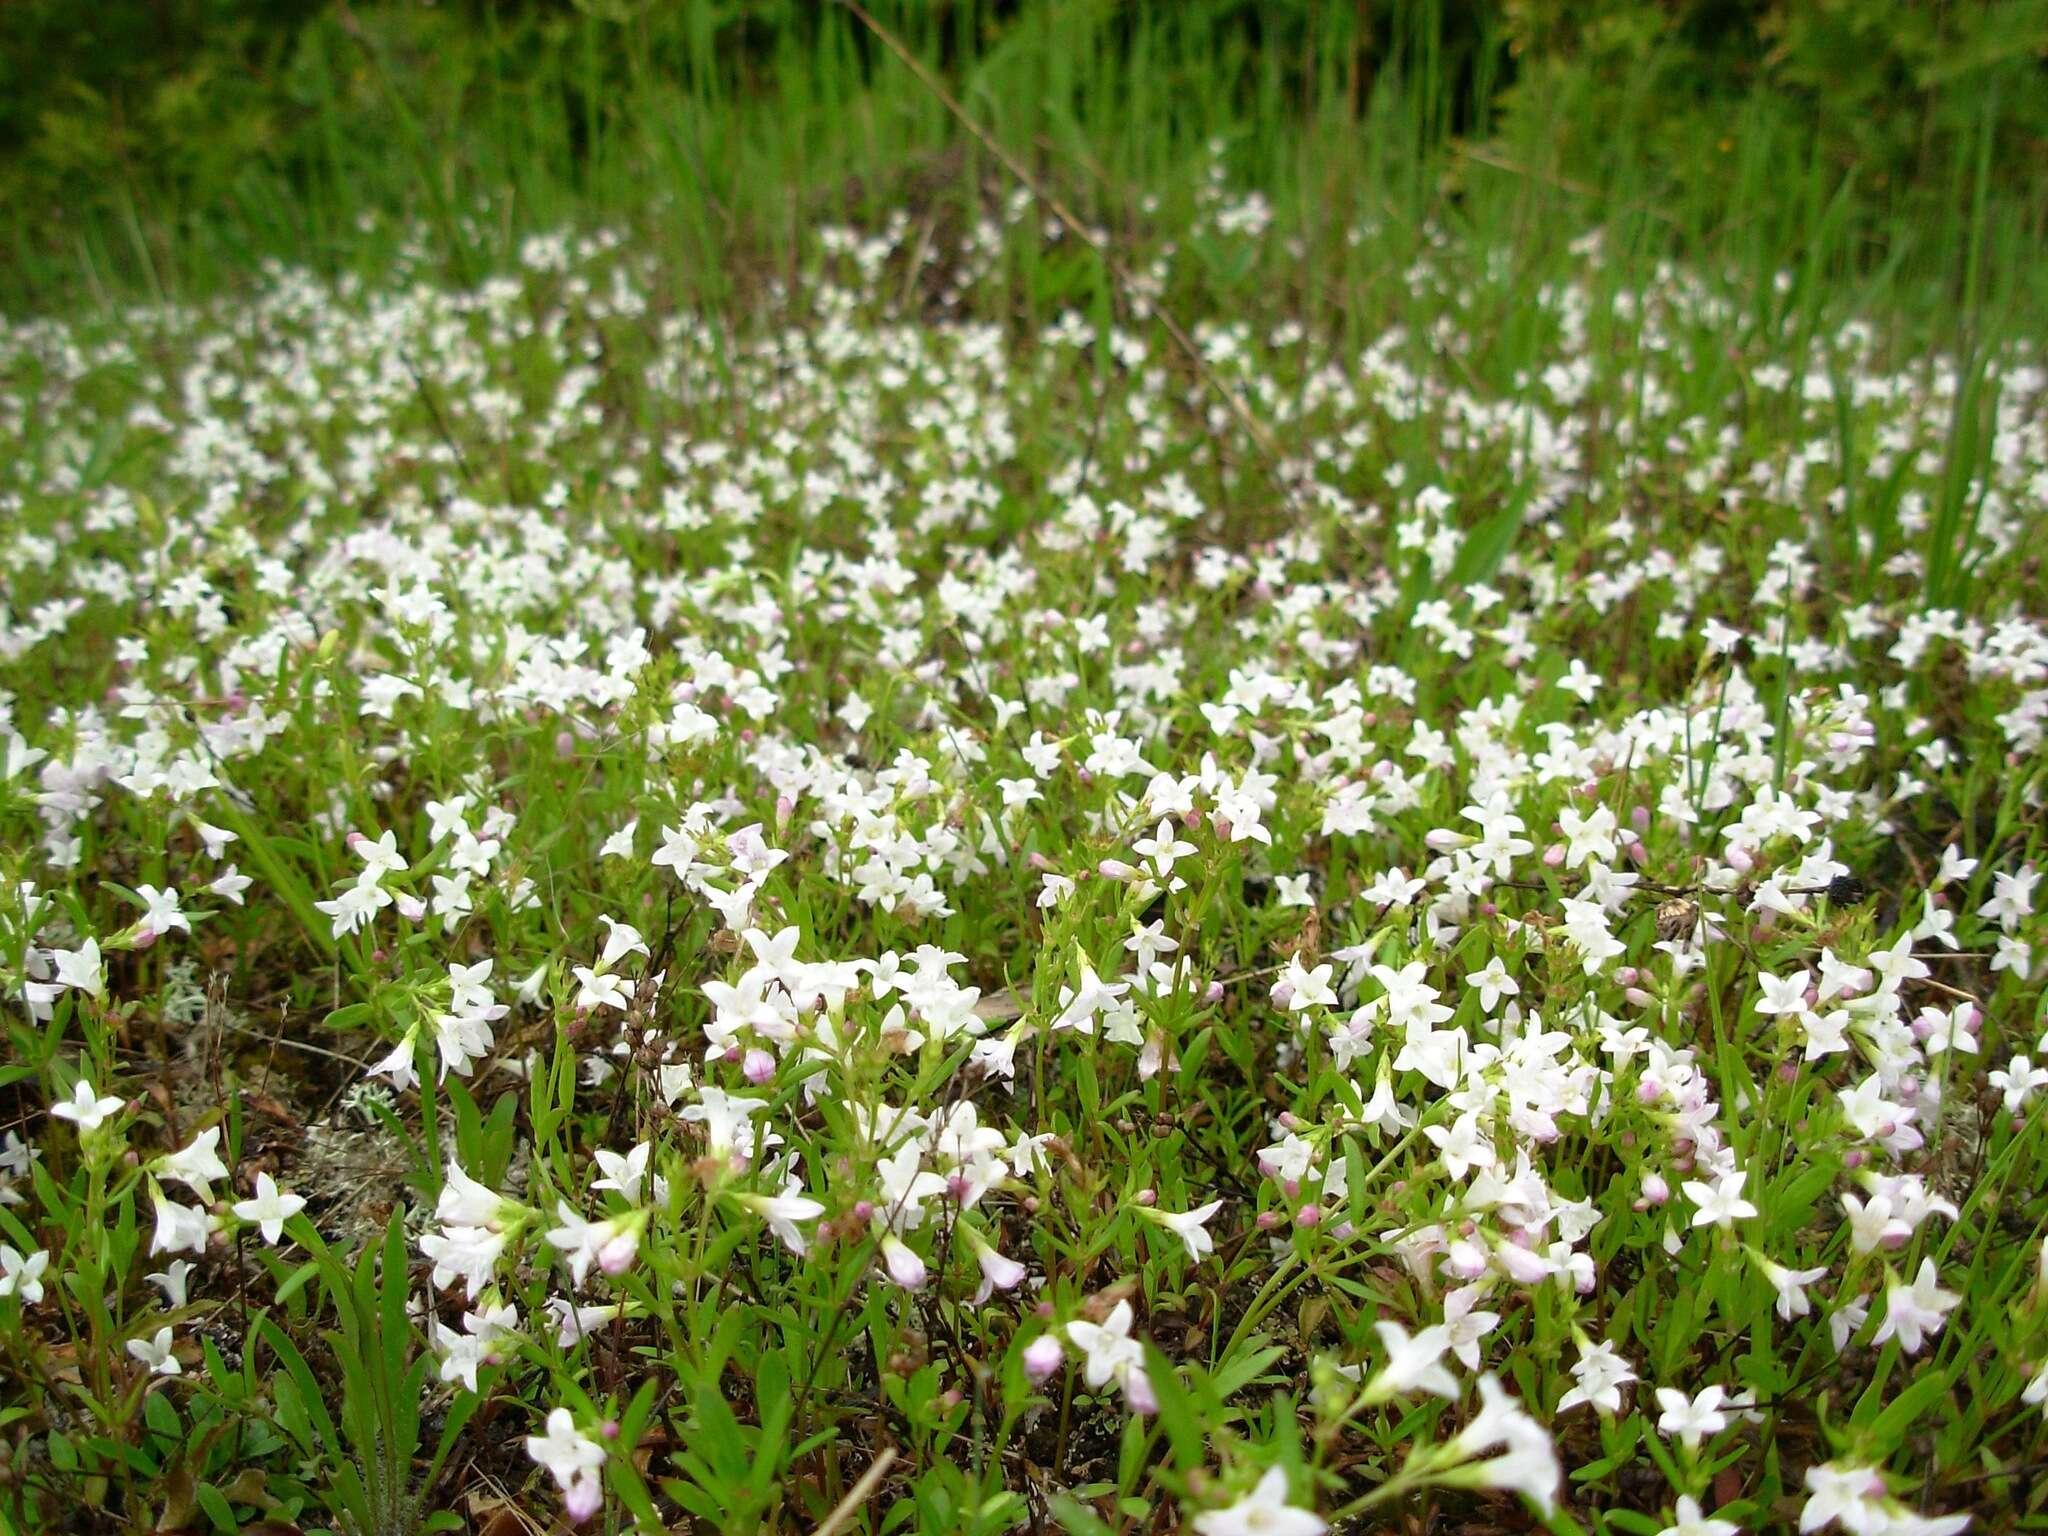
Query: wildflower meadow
[[1015, 871]]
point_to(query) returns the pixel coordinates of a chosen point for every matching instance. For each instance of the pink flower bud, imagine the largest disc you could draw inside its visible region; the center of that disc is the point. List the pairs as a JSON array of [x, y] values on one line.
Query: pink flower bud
[[1146, 1197], [1637, 997], [903, 1264], [565, 744], [1553, 856], [1655, 1190], [1283, 995], [1042, 1356], [1268, 1220], [759, 1066], [1308, 1216], [1213, 993], [1466, 1260]]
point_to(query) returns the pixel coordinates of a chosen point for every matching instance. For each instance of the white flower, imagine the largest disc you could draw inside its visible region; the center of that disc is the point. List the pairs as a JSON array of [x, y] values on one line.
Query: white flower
[[1262, 1512], [1112, 1354], [1790, 1285], [462, 1355], [999, 1272], [1528, 1462], [906, 1268], [156, 1353], [22, 1277], [609, 1244], [623, 1174], [80, 968], [601, 989], [620, 941], [270, 1208], [468, 1253], [1720, 1203], [571, 1456], [173, 1280], [1690, 1418], [1691, 1522], [86, 1109], [196, 1165], [1912, 1312], [782, 1213], [1598, 1377], [161, 914], [1412, 1363], [178, 1227], [1188, 1226]]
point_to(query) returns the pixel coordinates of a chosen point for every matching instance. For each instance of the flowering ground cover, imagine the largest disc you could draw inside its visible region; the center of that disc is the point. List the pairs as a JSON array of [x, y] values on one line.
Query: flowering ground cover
[[861, 918]]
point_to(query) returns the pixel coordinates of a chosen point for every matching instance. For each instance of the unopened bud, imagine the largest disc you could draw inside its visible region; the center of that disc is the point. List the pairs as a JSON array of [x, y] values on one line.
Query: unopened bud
[[1042, 1356]]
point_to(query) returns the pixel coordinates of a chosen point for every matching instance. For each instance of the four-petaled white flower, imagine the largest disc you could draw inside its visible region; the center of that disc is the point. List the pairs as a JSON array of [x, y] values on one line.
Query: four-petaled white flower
[[86, 1109], [270, 1208], [1691, 1418], [1720, 1203], [21, 1276], [1913, 1312], [1113, 1355], [572, 1459]]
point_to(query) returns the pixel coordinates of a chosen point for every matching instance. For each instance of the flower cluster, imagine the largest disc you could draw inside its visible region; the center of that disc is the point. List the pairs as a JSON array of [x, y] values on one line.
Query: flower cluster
[[874, 915]]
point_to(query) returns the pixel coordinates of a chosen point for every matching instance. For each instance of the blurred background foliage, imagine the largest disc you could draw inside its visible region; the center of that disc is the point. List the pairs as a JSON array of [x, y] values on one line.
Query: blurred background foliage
[[162, 145]]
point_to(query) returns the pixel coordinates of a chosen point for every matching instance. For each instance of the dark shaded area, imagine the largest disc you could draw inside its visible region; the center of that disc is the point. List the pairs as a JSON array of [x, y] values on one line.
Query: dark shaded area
[[128, 101]]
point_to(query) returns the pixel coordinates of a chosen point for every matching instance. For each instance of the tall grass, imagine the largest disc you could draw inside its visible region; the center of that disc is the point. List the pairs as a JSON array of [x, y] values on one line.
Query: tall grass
[[733, 132]]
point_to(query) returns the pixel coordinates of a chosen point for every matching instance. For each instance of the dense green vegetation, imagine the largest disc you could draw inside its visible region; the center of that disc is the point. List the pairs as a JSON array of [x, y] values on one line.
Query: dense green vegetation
[[161, 146], [1240, 768]]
